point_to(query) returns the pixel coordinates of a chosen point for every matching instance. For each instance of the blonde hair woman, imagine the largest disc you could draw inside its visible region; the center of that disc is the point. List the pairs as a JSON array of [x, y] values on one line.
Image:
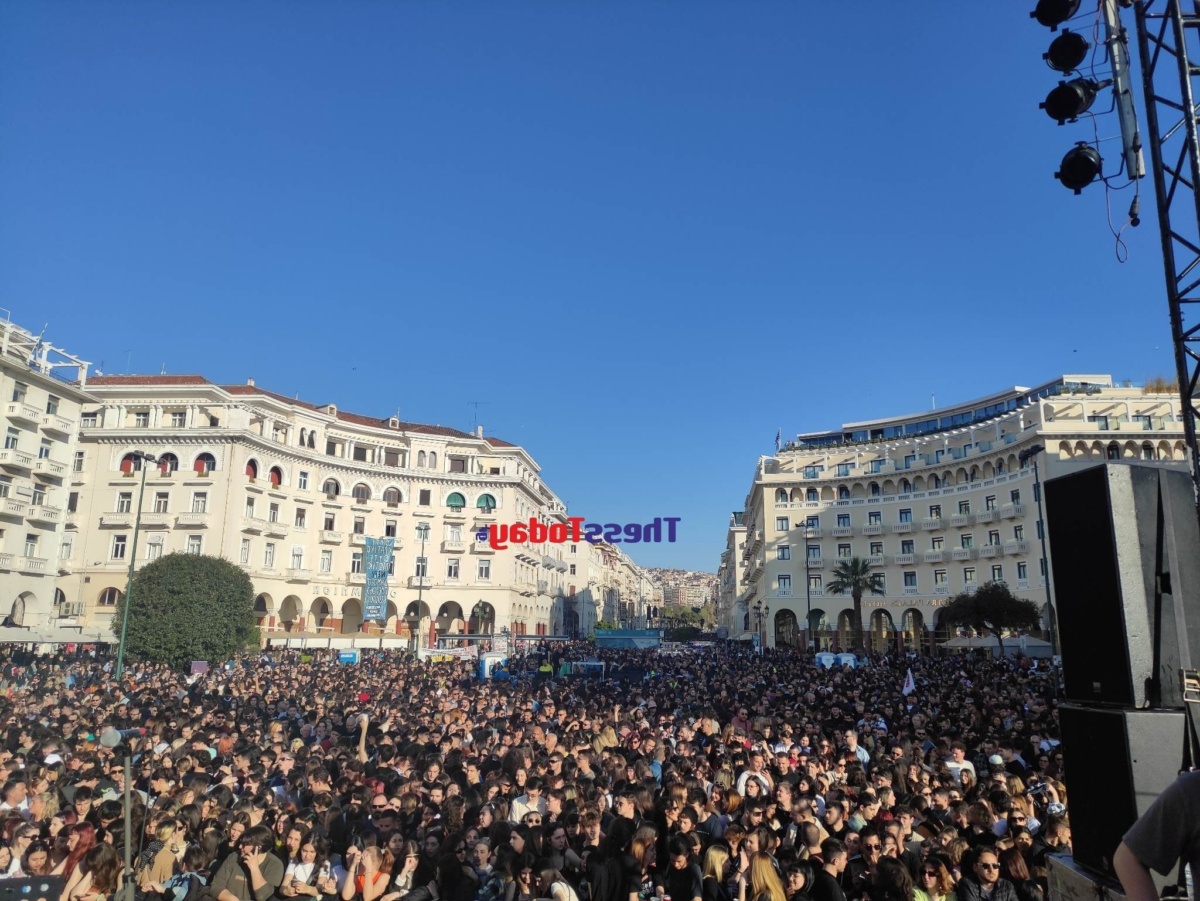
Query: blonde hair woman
[[716, 864], [763, 883]]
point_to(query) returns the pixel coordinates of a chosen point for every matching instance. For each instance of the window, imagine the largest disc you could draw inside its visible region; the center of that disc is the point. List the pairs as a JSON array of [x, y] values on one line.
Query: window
[[124, 502], [574, 548], [907, 547], [452, 568], [326, 561], [1042, 567], [843, 493], [910, 580], [1019, 533], [939, 577], [454, 532], [200, 502], [964, 506], [968, 575], [458, 464], [330, 522], [39, 496], [331, 488], [245, 553], [11, 439], [109, 597], [44, 449], [486, 503], [906, 515], [967, 540], [1101, 421], [935, 511], [812, 472], [424, 497], [997, 573], [273, 513], [168, 463], [269, 555], [782, 523], [485, 570], [392, 565], [31, 545], [360, 453], [391, 457], [455, 501], [205, 463], [812, 522], [1014, 496], [784, 584], [843, 520], [781, 496], [389, 528], [814, 583], [844, 550], [1037, 528], [154, 547], [194, 544], [989, 502], [874, 518], [421, 568], [119, 544], [937, 543], [811, 495], [994, 537], [876, 548], [881, 582], [360, 525], [88, 420], [162, 502], [66, 547], [72, 500], [362, 493], [572, 570], [19, 392], [52, 404], [141, 420], [391, 497], [875, 492], [297, 558], [301, 518], [302, 482], [178, 419], [77, 463], [784, 552], [814, 551], [843, 469], [1022, 571]]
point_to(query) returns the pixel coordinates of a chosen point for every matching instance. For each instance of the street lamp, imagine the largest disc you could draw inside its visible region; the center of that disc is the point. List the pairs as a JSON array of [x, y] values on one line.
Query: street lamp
[[761, 610], [1031, 453], [423, 572], [808, 641], [146, 460]]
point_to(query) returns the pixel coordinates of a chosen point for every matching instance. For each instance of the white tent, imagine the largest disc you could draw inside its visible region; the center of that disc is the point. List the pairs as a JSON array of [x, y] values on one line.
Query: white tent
[[1016, 644]]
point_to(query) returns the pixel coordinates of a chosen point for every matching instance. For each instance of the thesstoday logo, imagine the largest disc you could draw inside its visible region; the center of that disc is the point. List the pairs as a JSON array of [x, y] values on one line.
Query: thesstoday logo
[[500, 536]]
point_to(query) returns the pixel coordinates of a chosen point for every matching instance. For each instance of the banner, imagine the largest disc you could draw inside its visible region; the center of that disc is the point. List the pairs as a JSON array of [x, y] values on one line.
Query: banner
[[910, 685], [377, 558]]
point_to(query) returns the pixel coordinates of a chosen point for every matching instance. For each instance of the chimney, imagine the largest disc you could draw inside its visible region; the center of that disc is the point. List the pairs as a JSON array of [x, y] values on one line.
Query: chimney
[[478, 431], [250, 382]]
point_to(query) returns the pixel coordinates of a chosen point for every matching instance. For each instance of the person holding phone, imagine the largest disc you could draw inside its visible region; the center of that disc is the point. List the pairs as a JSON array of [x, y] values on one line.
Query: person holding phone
[[253, 873]]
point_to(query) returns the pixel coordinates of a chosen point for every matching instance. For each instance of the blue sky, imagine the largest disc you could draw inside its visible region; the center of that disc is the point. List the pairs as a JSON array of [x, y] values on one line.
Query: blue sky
[[645, 235]]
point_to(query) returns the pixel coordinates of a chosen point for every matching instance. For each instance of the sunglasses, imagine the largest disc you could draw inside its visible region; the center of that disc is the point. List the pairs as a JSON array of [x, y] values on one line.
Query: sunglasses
[[989, 866]]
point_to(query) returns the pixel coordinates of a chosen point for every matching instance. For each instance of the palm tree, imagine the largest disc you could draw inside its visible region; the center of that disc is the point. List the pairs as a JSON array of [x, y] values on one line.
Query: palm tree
[[854, 577]]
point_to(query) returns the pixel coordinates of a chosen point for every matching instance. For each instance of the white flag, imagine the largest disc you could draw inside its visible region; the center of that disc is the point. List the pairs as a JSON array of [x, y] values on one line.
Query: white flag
[[910, 684]]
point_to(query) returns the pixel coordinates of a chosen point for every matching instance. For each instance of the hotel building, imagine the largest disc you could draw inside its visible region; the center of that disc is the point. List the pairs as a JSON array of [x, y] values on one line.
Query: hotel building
[[938, 502], [289, 491]]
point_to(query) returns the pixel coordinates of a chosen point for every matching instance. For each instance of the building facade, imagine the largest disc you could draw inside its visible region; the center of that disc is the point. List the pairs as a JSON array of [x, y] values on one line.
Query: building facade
[[939, 503], [289, 491], [42, 388]]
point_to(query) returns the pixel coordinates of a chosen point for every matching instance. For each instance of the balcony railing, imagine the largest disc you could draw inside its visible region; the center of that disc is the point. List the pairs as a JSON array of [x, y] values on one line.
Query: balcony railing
[[542, 586], [934, 556], [911, 590], [482, 547], [877, 560], [930, 525], [43, 513], [329, 536], [16, 459], [959, 520], [987, 516], [32, 564], [253, 524], [356, 578], [191, 520], [904, 559], [989, 550], [155, 520], [815, 562], [901, 527], [420, 582], [275, 529], [1011, 511], [1016, 547], [358, 539], [962, 553], [60, 425], [454, 546], [873, 529], [48, 467], [295, 574], [116, 519], [812, 533], [842, 531], [6, 561], [780, 593], [19, 411]]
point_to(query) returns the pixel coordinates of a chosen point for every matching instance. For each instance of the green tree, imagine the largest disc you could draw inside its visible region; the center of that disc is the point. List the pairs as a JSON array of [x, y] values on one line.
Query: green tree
[[188, 607], [854, 577], [992, 607]]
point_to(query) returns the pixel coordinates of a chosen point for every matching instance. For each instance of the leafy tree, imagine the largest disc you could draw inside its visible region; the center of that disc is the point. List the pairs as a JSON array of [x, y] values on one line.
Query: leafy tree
[[992, 607], [854, 577], [188, 607], [605, 624]]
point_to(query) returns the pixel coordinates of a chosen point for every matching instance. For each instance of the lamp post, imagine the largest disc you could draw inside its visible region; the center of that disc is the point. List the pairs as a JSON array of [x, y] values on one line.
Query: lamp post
[[146, 460], [1031, 453], [808, 641], [423, 568], [761, 610]]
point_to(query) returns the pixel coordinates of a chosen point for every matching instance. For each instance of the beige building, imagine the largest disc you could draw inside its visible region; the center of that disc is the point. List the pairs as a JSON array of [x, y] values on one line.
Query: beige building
[[939, 503], [290, 491], [40, 396]]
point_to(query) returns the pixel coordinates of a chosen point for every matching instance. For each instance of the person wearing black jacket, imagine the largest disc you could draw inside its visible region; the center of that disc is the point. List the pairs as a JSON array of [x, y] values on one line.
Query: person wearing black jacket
[[986, 884]]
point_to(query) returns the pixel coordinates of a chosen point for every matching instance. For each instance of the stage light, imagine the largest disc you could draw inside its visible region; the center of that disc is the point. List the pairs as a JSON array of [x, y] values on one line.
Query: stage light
[[1067, 52], [1070, 99], [1053, 13], [1080, 167]]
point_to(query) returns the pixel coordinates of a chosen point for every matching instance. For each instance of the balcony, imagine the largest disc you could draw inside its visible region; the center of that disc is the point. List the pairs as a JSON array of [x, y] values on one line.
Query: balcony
[[873, 529], [420, 582], [59, 425], [904, 559], [35, 565], [11, 458], [543, 587], [842, 532], [1022, 584], [877, 560], [1016, 547], [814, 533], [960, 520], [6, 562], [754, 573], [754, 541], [930, 525], [987, 516], [911, 590], [253, 525], [941, 589], [329, 536], [962, 553], [814, 563], [358, 539], [358, 578], [44, 513], [191, 520], [547, 561], [156, 520], [934, 556], [117, 519], [482, 547], [50, 468], [298, 575], [275, 529], [902, 528], [527, 589], [19, 411], [453, 546], [1012, 511], [989, 550]]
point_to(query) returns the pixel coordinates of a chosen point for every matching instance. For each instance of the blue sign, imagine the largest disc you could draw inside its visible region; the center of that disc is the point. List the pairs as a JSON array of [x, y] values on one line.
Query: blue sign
[[347, 656], [377, 559]]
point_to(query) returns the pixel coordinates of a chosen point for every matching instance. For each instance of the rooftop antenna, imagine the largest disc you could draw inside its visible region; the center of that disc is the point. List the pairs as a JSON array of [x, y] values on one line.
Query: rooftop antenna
[[128, 360], [163, 371], [475, 419]]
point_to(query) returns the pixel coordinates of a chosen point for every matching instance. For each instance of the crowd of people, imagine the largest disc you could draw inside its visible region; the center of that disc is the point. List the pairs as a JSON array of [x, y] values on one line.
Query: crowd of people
[[720, 775]]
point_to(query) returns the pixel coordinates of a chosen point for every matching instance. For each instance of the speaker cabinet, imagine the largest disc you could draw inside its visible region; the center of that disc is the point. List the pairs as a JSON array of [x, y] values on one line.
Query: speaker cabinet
[[1117, 763], [1103, 526]]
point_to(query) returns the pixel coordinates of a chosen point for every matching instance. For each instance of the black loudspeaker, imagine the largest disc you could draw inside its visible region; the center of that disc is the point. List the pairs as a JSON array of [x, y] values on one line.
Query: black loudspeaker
[[1105, 524], [1117, 763]]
